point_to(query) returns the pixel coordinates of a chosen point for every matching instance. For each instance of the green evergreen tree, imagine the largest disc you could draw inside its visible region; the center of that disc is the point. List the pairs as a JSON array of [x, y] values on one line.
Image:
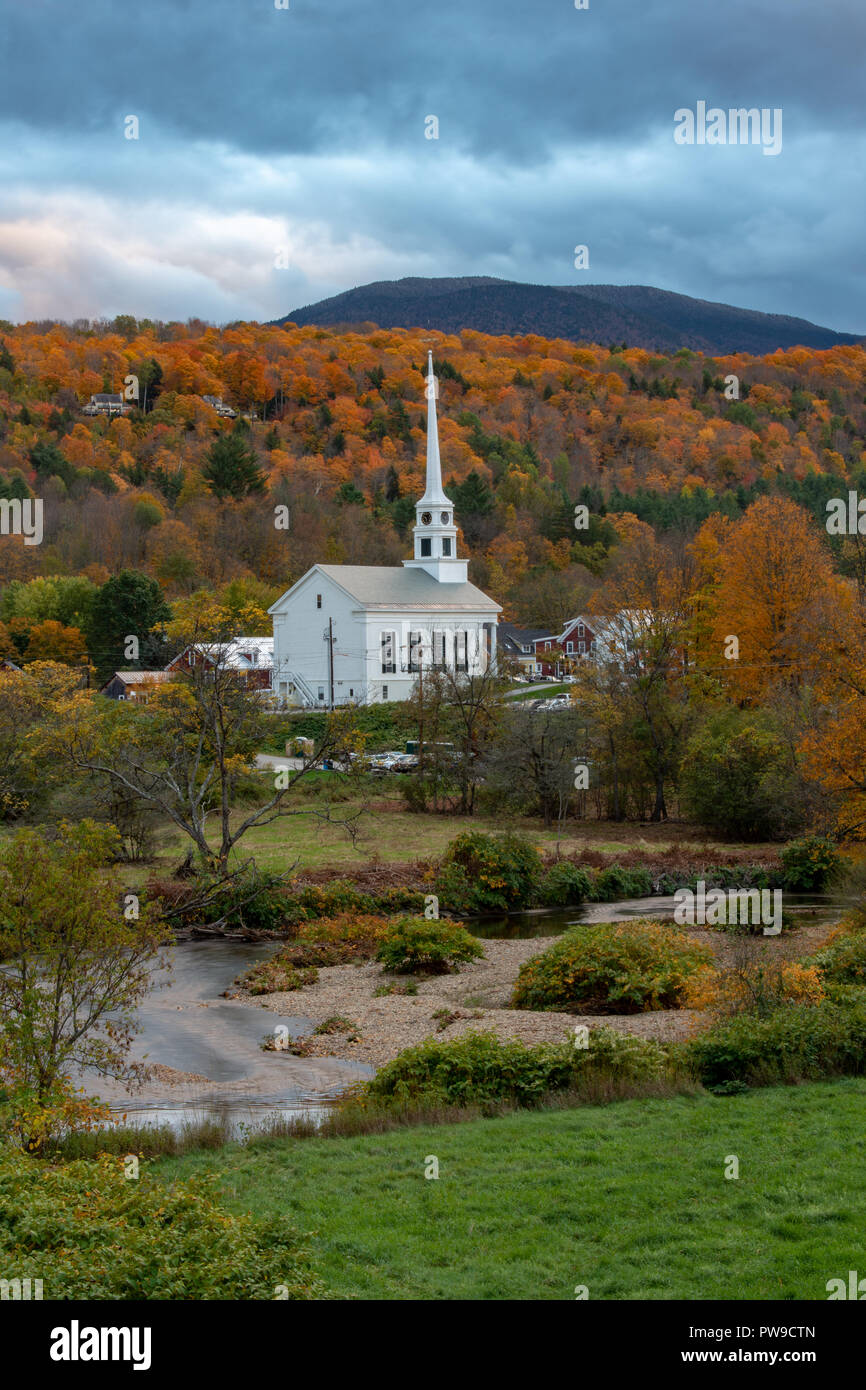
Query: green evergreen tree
[[232, 468], [349, 495], [392, 485], [130, 604], [473, 495], [48, 462]]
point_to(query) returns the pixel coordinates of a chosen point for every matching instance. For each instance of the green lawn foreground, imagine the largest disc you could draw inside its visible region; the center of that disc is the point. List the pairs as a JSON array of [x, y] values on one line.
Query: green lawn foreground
[[629, 1199]]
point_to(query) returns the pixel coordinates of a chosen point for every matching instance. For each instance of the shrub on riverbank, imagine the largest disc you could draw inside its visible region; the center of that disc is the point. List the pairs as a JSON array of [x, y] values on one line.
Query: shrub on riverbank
[[277, 976], [89, 1233], [628, 967], [842, 961], [325, 941], [415, 945], [755, 987], [721, 876], [488, 873], [810, 864], [314, 901], [615, 882], [564, 885], [479, 1069], [266, 905], [251, 902], [795, 1043]]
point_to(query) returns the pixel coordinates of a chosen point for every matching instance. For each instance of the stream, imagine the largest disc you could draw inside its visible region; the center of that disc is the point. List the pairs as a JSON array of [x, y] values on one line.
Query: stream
[[186, 1026], [552, 921]]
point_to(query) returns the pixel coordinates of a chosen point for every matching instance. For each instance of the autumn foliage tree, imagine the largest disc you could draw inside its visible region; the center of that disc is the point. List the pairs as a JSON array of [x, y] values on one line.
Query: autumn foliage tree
[[76, 963], [764, 588]]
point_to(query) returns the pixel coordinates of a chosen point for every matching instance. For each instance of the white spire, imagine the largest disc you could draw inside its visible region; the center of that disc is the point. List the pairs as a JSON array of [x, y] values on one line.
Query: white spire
[[434, 533], [434, 495]]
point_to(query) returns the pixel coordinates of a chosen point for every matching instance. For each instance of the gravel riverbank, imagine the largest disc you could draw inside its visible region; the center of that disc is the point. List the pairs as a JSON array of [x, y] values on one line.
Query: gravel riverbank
[[476, 999]]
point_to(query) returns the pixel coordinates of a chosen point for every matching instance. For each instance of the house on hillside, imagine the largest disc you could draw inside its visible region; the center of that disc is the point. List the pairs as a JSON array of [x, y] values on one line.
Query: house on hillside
[[517, 644], [366, 633], [107, 403], [218, 404], [251, 657], [133, 685]]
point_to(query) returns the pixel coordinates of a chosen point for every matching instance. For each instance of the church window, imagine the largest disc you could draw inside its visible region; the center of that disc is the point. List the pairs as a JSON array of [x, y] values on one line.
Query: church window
[[461, 651], [488, 646], [446, 545], [389, 661], [426, 548], [439, 650], [318, 600], [444, 518], [416, 640], [321, 692], [384, 692]]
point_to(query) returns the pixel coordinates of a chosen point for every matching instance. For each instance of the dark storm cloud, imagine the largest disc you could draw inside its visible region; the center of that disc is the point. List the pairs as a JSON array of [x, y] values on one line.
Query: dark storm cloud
[[303, 128], [510, 77]]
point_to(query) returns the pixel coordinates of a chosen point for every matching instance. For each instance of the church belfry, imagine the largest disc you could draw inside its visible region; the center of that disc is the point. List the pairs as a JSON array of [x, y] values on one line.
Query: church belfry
[[435, 534]]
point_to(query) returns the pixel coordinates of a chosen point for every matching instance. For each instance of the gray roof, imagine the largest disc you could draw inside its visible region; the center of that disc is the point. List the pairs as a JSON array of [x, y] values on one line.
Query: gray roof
[[393, 586], [522, 636], [141, 677]]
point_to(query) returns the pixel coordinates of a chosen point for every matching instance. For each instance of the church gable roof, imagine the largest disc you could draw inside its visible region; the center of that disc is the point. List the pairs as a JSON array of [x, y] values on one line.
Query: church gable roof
[[392, 586]]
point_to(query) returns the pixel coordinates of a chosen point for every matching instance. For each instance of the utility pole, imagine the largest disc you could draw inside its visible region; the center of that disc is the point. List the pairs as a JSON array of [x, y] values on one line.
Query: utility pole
[[331, 661], [421, 713]]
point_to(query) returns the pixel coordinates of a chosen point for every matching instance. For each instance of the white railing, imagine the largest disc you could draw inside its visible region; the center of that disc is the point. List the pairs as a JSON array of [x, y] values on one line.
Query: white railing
[[301, 686]]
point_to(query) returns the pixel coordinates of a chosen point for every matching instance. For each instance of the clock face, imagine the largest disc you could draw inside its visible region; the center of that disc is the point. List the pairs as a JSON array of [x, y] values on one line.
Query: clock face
[[426, 518], [444, 518]]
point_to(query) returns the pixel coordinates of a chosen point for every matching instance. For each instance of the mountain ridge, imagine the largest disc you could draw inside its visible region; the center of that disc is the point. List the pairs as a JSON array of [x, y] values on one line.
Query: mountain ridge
[[640, 315]]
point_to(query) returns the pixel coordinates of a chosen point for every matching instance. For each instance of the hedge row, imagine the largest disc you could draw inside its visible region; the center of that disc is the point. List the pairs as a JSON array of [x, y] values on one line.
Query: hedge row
[[478, 874]]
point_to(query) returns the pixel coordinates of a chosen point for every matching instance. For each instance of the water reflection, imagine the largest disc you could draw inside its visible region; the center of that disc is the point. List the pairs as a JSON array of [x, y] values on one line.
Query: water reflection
[[553, 921], [237, 1118]]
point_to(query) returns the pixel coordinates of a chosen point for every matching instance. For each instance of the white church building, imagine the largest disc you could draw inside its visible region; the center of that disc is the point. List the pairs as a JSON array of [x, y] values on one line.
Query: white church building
[[362, 633]]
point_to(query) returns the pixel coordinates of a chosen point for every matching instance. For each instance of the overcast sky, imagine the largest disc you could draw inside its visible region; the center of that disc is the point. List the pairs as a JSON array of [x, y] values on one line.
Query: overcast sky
[[298, 136]]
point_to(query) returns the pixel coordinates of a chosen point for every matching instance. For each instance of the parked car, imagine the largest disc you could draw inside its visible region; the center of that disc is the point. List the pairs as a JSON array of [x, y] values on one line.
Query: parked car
[[393, 761]]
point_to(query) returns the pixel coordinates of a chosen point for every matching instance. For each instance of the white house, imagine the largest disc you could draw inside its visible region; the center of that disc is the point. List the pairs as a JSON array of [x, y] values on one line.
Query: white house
[[363, 633], [251, 656]]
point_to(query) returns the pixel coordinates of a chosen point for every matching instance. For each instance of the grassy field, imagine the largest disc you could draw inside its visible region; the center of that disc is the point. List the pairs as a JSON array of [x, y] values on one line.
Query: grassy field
[[629, 1200], [392, 834]]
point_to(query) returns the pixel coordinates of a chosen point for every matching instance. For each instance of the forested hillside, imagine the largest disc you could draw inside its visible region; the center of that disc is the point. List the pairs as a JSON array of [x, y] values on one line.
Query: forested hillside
[[529, 428]]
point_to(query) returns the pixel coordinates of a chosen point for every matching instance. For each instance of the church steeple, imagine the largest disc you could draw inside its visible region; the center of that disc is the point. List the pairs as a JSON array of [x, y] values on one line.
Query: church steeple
[[434, 531], [434, 495]]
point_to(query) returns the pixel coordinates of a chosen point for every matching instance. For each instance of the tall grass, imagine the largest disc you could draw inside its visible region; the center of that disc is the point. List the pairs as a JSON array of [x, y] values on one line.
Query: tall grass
[[352, 1117]]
